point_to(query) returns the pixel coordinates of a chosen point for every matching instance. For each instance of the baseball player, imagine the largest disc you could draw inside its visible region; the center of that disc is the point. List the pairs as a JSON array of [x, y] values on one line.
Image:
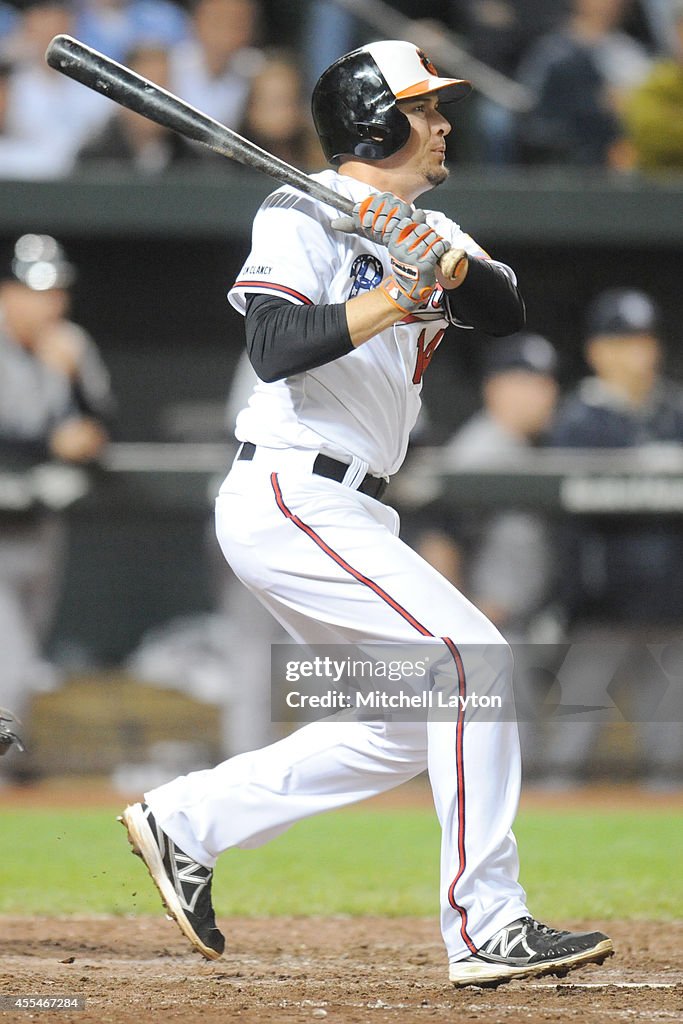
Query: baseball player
[[343, 316], [55, 405]]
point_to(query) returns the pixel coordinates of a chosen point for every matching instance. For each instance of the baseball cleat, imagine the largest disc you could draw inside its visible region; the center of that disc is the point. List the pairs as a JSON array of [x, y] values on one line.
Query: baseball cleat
[[183, 884], [527, 949]]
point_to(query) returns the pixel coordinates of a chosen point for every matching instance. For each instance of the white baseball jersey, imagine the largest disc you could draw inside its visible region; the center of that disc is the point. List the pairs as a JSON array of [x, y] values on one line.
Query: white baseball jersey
[[364, 404]]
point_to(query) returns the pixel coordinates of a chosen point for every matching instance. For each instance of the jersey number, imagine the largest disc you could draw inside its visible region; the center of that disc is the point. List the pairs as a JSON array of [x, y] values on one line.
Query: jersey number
[[425, 352]]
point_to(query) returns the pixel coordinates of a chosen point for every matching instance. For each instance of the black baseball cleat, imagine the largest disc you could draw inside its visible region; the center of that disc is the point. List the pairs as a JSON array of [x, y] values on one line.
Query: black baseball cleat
[[184, 885], [527, 949]]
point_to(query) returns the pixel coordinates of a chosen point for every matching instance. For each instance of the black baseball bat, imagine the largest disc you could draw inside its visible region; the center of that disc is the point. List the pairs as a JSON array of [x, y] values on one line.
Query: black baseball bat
[[97, 71], [106, 76]]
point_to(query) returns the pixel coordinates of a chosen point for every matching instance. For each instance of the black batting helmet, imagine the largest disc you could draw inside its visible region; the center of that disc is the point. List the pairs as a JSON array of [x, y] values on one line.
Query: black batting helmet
[[354, 100]]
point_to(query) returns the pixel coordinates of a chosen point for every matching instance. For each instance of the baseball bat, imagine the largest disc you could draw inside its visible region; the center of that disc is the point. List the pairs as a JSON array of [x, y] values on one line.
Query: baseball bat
[[106, 76], [95, 70]]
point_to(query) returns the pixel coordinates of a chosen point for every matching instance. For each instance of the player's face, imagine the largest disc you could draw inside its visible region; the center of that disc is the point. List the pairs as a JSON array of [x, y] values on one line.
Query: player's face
[[418, 165], [424, 154]]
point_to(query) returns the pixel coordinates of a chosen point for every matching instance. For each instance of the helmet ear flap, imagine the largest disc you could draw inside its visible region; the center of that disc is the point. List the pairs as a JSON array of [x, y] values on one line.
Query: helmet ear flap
[[355, 112], [372, 131], [377, 140]]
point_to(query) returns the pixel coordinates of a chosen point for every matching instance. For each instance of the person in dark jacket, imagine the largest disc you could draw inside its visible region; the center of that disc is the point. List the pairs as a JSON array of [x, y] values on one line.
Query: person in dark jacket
[[622, 572]]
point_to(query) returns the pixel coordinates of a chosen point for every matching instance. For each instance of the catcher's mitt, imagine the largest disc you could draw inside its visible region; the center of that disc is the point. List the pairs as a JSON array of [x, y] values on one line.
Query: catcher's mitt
[[7, 737]]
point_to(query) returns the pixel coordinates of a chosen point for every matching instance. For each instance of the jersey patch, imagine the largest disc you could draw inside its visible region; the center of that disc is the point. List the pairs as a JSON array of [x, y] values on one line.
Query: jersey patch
[[367, 272]]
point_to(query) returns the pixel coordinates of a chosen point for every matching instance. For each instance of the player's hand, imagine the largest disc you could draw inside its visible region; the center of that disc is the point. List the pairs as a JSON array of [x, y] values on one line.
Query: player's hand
[[61, 346], [415, 251], [79, 439], [377, 217]]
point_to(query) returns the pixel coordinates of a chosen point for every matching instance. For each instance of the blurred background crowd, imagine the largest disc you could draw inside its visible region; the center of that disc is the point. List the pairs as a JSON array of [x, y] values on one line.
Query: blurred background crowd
[[592, 603], [589, 82]]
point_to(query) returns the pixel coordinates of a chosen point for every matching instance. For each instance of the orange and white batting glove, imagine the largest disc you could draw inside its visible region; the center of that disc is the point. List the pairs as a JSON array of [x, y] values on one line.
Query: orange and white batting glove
[[376, 217], [415, 251]]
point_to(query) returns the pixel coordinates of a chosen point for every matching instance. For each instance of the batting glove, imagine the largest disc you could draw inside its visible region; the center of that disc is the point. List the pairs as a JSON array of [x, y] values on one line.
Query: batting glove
[[377, 217], [415, 251]]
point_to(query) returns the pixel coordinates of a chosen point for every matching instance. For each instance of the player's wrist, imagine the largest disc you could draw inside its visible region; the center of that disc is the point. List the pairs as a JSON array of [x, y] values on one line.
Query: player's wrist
[[397, 297], [369, 314], [407, 293]]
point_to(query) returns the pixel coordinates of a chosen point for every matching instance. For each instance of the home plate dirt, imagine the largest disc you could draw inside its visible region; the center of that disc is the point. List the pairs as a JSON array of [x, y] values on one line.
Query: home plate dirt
[[342, 970]]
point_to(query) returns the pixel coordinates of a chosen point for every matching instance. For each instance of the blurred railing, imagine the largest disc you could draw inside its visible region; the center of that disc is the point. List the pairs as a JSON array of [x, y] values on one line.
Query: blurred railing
[[647, 480], [527, 205]]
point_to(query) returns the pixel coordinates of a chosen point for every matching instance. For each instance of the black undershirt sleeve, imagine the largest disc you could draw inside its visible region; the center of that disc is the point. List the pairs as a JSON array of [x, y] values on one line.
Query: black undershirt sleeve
[[284, 338], [487, 299]]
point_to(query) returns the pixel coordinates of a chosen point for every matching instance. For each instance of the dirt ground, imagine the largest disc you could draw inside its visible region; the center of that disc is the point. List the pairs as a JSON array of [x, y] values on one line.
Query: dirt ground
[[343, 970], [347, 971]]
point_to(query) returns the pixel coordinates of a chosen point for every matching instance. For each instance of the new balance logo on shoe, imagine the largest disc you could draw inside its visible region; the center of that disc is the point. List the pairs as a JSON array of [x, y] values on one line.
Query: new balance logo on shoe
[[525, 948], [183, 884], [510, 943]]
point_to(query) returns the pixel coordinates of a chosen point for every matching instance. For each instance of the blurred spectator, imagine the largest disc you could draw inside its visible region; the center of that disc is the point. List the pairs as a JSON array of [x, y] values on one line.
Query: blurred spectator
[[329, 32], [509, 566], [621, 574], [659, 17], [276, 116], [213, 69], [653, 114], [502, 560], [118, 26], [46, 115], [508, 557], [499, 33], [54, 398], [581, 75], [129, 140], [8, 21], [5, 74]]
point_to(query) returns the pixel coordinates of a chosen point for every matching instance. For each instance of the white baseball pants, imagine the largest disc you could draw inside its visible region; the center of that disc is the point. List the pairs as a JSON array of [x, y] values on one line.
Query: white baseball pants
[[326, 560]]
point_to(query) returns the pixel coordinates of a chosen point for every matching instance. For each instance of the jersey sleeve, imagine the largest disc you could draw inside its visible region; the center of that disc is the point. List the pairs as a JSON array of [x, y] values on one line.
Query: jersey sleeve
[[292, 252]]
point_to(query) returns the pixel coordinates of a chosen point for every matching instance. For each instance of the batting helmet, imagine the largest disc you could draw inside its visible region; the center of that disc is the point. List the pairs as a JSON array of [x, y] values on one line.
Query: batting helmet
[[354, 101]]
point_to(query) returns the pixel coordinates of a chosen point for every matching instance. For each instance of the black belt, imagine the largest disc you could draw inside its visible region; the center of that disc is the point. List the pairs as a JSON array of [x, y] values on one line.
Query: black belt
[[374, 486]]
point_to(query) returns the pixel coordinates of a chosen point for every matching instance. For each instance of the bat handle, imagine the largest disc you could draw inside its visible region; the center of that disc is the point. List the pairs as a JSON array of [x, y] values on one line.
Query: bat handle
[[453, 264]]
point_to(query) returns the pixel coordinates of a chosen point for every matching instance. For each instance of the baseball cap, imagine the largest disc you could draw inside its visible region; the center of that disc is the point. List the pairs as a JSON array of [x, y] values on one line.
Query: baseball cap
[[39, 262], [522, 351], [622, 311]]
